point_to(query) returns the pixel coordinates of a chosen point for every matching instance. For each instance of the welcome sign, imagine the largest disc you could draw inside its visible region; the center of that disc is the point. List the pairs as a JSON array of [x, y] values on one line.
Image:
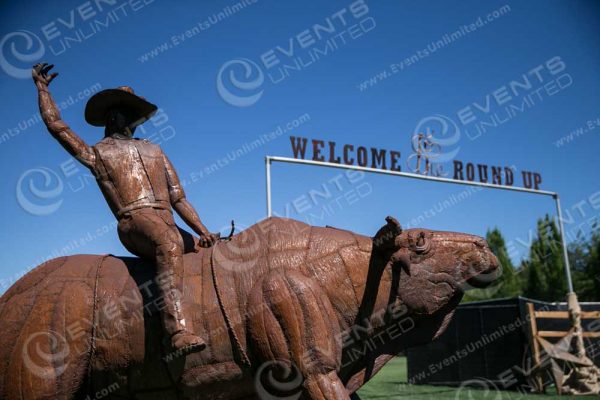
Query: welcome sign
[[387, 159]]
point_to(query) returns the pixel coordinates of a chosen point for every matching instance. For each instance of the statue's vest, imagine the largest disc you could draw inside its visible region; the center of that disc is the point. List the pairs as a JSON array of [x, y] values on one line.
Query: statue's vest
[[131, 174]]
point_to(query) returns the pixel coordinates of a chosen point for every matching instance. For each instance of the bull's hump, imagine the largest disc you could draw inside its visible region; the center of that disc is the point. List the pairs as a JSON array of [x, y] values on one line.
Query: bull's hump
[[76, 267]]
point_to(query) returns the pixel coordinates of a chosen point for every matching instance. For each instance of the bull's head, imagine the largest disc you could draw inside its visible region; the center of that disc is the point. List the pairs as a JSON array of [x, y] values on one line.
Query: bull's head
[[434, 267]]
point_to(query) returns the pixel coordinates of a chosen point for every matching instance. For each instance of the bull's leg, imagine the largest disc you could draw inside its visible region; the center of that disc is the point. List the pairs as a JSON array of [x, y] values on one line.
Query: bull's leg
[[297, 338], [324, 386]]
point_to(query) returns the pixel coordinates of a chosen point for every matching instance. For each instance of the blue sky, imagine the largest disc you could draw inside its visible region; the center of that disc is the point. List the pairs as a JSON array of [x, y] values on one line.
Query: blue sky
[[363, 91]]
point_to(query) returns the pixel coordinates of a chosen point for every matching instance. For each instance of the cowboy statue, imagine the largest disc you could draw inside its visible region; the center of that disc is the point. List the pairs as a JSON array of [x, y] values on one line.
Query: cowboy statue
[[141, 188]]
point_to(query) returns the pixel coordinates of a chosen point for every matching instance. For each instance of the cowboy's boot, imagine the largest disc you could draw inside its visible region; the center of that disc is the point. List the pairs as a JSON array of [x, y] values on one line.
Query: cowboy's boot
[[183, 341]]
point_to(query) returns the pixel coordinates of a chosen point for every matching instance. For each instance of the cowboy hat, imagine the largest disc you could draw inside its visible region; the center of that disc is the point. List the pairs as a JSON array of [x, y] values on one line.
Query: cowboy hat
[[122, 97]]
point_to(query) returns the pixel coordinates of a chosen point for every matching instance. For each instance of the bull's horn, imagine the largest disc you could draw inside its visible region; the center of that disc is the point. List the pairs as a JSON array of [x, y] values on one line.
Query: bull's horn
[[393, 222], [385, 237]]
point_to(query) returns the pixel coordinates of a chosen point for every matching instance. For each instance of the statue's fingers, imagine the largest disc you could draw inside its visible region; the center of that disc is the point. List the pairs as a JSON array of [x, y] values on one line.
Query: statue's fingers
[[197, 247], [51, 77], [47, 68], [38, 67]]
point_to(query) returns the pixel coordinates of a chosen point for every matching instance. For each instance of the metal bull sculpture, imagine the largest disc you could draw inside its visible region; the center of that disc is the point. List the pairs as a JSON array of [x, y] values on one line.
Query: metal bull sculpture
[[287, 310]]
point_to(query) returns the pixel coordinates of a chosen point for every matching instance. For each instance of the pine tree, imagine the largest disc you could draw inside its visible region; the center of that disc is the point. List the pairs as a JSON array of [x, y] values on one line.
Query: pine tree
[[545, 268], [542, 275], [592, 270], [584, 255], [509, 282], [536, 285]]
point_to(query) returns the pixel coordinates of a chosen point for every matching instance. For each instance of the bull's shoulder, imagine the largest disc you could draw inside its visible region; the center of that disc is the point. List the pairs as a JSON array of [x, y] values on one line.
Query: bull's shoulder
[[279, 243], [282, 234]]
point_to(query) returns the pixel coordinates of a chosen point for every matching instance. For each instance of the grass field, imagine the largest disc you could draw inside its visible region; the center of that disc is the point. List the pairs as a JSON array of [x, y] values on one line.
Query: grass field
[[390, 383]]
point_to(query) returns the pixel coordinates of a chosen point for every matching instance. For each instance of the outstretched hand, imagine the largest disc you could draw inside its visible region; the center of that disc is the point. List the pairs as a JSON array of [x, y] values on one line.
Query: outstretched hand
[[39, 73]]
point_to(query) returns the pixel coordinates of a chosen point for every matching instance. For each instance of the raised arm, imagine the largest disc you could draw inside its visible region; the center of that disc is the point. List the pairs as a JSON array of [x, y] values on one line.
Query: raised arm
[[51, 117], [184, 208]]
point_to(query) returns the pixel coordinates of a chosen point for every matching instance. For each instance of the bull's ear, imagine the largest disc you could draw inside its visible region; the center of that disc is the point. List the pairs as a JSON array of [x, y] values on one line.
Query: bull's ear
[[385, 237]]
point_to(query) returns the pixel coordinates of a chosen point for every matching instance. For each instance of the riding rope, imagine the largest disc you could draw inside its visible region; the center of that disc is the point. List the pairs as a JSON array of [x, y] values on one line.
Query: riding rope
[[94, 317], [238, 344]]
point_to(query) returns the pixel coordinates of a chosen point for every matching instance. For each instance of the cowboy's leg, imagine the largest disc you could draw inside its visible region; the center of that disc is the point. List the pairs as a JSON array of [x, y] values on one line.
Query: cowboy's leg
[[190, 242], [154, 235], [169, 247]]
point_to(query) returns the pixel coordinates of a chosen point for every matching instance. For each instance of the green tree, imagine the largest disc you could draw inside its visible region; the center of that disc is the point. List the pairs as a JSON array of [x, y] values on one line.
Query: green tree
[[584, 255], [592, 270], [509, 282], [542, 275], [544, 270]]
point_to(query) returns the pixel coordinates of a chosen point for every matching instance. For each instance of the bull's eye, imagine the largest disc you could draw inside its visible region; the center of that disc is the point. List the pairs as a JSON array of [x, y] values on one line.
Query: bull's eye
[[422, 244]]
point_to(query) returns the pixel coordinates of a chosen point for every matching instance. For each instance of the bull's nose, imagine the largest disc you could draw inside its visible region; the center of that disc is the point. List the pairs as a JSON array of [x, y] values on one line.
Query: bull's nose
[[489, 272], [491, 260], [494, 264]]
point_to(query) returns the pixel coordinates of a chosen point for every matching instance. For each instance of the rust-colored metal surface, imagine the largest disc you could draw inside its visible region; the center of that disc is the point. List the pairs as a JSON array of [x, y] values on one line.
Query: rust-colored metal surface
[[327, 306], [288, 310]]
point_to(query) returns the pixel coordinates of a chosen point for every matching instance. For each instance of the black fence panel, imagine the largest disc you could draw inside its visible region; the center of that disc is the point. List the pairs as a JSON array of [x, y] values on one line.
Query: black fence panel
[[488, 341]]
